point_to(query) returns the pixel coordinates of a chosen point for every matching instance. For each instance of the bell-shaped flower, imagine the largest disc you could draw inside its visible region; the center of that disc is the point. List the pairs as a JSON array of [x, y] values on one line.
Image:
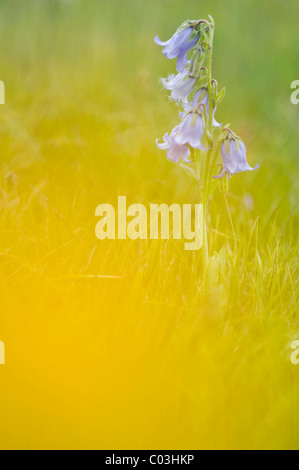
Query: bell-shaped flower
[[180, 85], [235, 160], [178, 46], [191, 130], [175, 151], [199, 100]]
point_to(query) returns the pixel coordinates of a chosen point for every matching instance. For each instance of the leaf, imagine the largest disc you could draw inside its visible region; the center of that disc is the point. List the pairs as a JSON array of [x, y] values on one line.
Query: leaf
[[202, 83], [221, 95], [191, 173], [212, 19], [212, 186]]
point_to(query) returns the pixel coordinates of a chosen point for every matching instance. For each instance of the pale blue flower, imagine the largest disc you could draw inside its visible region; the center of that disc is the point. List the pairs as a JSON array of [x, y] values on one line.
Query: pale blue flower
[[192, 127], [191, 130], [175, 151], [179, 85], [235, 161], [198, 101], [178, 46]]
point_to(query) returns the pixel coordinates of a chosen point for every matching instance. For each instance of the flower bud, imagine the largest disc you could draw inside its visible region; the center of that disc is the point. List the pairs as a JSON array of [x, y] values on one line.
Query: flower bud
[[196, 63]]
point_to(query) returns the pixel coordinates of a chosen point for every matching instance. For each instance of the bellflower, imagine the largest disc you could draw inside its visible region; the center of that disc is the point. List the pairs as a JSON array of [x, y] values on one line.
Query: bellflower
[[196, 103], [198, 96], [180, 85], [192, 127], [191, 130], [175, 151], [235, 161], [178, 46]]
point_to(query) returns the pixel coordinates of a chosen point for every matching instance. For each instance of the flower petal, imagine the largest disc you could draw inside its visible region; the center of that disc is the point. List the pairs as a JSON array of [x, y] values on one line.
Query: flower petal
[[191, 133], [161, 43], [180, 85], [181, 62], [175, 151], [178, 44], [162, 146], [235, 161]]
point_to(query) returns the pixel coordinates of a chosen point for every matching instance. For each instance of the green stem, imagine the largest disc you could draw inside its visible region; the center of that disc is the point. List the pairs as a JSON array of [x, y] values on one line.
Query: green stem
[[210, 123], [210, 89], [213, 165], [206, 183], [205, 246]]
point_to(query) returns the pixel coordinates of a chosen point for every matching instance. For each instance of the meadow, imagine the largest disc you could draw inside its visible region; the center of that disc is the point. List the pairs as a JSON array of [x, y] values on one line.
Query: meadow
[[122, 344]]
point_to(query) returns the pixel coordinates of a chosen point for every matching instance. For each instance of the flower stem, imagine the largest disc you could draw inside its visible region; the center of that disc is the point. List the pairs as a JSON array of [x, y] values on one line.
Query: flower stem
[[210, 90], [207, 171], [205, 246]]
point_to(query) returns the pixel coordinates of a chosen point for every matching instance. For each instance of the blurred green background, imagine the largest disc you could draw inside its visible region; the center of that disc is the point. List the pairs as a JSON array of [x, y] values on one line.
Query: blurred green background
[[99, 57]]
